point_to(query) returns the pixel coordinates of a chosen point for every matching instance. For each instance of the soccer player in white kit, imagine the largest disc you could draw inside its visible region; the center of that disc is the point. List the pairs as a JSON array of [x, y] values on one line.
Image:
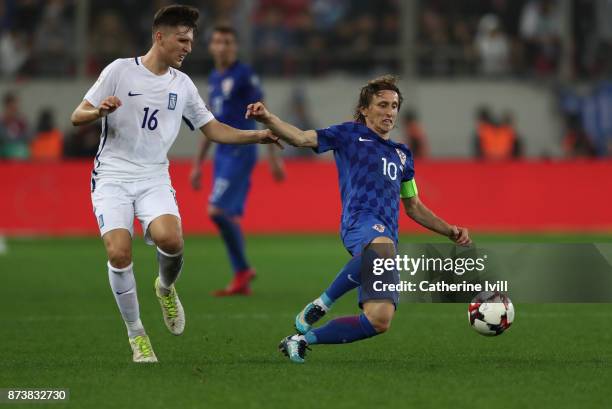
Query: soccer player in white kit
[[142, 102]]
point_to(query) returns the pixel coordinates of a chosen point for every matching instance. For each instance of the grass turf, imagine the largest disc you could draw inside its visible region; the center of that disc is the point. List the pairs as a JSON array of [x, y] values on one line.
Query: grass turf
[[61, 328]]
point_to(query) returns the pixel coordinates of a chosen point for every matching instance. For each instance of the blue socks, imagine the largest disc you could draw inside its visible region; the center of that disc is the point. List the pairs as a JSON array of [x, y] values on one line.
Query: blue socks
[[342, 331], [234, 242], [345, 329], [350, 275], [347, 279]]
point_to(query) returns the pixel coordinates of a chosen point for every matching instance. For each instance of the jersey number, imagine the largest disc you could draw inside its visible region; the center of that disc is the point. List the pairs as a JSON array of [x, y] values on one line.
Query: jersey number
[[390, 169], [151, 123]]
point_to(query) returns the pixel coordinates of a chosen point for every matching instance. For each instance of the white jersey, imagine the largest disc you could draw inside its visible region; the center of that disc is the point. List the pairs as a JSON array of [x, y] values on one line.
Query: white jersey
[[137, 136]]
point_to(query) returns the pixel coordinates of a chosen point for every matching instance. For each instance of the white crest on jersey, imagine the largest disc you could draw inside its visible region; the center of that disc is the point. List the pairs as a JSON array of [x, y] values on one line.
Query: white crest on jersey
[[226, 86], [402, 156], [379, 228]]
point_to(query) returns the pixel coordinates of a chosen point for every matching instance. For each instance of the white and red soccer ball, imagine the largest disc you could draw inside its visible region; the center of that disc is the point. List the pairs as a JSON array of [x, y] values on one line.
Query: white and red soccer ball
[[491, 313]]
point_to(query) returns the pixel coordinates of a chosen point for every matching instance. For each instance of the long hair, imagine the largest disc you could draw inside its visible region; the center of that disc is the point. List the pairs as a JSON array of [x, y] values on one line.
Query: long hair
[[373, 87]]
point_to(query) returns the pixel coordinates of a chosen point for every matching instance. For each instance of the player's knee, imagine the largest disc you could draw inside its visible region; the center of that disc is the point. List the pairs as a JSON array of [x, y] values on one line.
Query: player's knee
[[381, 323], [380, 250], [170, 244], [380, 316], [119, 257]]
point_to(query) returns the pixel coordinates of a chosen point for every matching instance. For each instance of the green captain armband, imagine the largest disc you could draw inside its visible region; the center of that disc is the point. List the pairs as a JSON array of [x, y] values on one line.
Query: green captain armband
[[408, 189]]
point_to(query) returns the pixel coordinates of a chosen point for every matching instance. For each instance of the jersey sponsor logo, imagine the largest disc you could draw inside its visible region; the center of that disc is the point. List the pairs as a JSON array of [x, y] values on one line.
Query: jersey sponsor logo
[[133, 94], [402, 156], [172, 97], [365, 139], [379, 228]]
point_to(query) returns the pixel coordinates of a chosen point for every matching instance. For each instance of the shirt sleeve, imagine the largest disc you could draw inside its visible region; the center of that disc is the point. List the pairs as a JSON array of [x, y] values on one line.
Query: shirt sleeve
[[105, 86], [408, 187], [254, 86], [196, 113], [409, 167], [329, 139]]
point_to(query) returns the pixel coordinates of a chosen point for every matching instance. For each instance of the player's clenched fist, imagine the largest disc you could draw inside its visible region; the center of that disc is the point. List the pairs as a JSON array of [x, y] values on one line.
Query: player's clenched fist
[[258, 112], [267, 137], [460, 235], [109, 105]]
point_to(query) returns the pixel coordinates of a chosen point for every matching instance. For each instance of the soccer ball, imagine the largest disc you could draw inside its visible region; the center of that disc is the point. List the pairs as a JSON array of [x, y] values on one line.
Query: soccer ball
[[491, 313]]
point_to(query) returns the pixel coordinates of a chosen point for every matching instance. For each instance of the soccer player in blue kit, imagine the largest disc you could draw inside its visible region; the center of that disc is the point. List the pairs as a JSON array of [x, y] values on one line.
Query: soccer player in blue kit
[[374, 173], [232, 86]]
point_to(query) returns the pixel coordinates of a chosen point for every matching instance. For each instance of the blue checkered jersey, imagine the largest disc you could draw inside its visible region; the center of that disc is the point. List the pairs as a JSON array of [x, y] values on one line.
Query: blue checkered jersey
[[230, 92], [370, 172]]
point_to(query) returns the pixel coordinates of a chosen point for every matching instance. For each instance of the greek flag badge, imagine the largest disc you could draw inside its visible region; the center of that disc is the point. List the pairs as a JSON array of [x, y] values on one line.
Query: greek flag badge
[[172, 101]]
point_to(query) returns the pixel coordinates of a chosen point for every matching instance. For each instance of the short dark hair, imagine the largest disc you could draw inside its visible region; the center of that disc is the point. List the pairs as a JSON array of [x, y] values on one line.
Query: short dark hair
[[177, 15], [225, 29], [373, 87]]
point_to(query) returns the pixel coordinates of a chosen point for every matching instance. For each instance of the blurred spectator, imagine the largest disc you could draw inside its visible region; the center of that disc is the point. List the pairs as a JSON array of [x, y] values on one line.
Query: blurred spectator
[[496, 141], [271, 39], [492, 46], [14, 52], [540, 28], [576, 143], [507, 126], [434, 38], [48, 142], [596, 112], [51, 53], [83, 141], [414, 135], [110, 40], [328, 13], [15, 129]]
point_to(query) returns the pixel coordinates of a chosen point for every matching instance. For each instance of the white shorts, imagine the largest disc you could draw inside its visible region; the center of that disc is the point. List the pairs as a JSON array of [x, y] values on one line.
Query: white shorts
[[115, 204]]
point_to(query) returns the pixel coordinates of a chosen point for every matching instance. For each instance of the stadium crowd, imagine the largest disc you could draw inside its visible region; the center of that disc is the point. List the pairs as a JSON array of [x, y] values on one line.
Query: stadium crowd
[[518, 38], [309, 38]]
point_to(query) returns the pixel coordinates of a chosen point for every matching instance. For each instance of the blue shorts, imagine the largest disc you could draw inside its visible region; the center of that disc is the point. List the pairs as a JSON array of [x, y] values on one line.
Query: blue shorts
[[355, 239], [231, 184], [362, 232]]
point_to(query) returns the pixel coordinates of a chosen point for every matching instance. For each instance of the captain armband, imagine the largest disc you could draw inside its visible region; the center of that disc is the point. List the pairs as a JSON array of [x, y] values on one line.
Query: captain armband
[[408, 189]]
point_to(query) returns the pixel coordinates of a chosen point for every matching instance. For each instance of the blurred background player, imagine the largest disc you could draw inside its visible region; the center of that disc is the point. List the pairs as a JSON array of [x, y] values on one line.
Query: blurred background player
[[374, 173], [232, 86], [143, 101]]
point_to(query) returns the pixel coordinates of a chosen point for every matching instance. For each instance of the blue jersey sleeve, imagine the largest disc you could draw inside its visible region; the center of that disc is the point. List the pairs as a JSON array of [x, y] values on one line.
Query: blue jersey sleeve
[[409, 167], [251, 86], [330, 138]]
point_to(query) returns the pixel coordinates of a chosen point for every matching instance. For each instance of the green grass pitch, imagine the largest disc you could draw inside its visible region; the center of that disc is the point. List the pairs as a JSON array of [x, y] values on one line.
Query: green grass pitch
[[60, 327]]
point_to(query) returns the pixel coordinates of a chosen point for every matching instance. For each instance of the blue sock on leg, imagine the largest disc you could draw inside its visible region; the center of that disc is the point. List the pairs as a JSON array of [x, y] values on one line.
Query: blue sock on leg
[[342, 331], [348, 278], [233, 239]]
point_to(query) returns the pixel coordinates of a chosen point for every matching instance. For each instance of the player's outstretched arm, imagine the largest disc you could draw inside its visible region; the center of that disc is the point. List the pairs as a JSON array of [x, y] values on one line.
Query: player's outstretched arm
[[426, 218], [287, 132], [219, 132], [86, 113]]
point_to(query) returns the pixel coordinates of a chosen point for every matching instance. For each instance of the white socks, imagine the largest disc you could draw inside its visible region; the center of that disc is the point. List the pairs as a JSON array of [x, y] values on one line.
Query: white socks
[[123, 284], [170, 266]]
